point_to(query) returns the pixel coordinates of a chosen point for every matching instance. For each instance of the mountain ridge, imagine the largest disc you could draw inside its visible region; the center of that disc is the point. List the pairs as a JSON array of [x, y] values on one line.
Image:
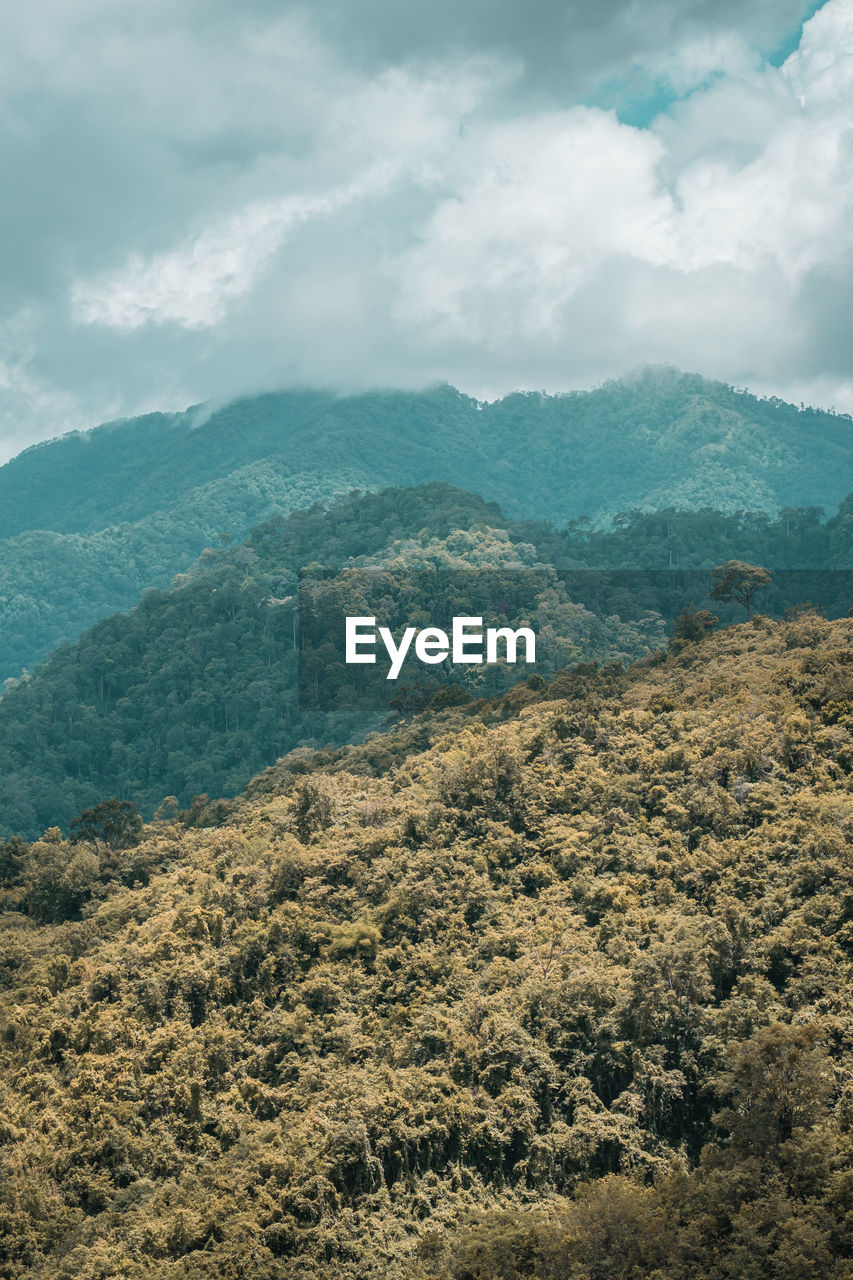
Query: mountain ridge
[[659, 438], [202, 684], [665, 407]]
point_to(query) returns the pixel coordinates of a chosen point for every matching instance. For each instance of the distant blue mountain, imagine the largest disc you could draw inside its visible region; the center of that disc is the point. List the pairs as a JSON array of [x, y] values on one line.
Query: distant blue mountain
[[91, 519]]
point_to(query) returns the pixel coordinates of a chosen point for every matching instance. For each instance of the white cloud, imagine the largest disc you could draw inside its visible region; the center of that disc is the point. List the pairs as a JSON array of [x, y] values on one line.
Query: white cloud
[[211, 199], [821, 70], [192, 284], [699, 251], [395, 125], [25, 396], [693, 63], [541, 203]]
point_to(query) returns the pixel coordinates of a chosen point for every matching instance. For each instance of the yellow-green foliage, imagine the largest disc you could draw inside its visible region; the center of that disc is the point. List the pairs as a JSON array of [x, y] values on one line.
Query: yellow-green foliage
[[564, 994]]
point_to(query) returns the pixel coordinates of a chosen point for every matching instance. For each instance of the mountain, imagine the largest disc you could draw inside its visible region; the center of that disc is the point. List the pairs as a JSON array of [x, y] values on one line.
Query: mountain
[[242, 659], [557, 986], [198, 687], [91, 519]]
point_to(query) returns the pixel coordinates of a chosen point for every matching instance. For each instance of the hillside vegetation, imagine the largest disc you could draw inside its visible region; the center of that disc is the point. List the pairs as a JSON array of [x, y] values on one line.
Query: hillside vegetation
[[552, 986], [90, 520], [55, 585], [198, 687]]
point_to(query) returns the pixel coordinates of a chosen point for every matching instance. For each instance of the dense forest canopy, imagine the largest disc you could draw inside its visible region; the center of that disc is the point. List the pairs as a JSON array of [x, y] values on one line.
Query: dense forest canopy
[[198, 687], [90, 520], [553, 986]]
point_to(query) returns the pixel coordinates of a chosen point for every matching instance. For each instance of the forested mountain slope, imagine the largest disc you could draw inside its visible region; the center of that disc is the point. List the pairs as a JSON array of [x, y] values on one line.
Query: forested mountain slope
[[556, 988], [131, 503], [54, 585], [198, 687]]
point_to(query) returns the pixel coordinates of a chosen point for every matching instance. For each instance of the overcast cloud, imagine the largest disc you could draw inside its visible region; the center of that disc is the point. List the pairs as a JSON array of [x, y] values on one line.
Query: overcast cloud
[[207, 199]]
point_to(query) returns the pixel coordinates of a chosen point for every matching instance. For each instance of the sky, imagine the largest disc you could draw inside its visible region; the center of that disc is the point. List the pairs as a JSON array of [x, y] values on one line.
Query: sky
[[202, 200]]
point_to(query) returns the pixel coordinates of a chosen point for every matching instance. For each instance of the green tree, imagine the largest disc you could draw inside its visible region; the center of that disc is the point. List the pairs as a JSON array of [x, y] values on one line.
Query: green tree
[[117, 823], [737, 580], [777, 1082], [13, 853], [691, 626]]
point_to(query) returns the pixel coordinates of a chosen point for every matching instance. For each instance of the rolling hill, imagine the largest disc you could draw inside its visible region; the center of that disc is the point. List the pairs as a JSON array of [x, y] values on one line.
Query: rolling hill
[[553, 988], [90, 520], [200, 686]]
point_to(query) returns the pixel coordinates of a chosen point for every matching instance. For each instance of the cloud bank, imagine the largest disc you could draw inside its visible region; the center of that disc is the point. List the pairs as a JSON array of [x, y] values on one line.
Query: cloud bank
[[207, 200]]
